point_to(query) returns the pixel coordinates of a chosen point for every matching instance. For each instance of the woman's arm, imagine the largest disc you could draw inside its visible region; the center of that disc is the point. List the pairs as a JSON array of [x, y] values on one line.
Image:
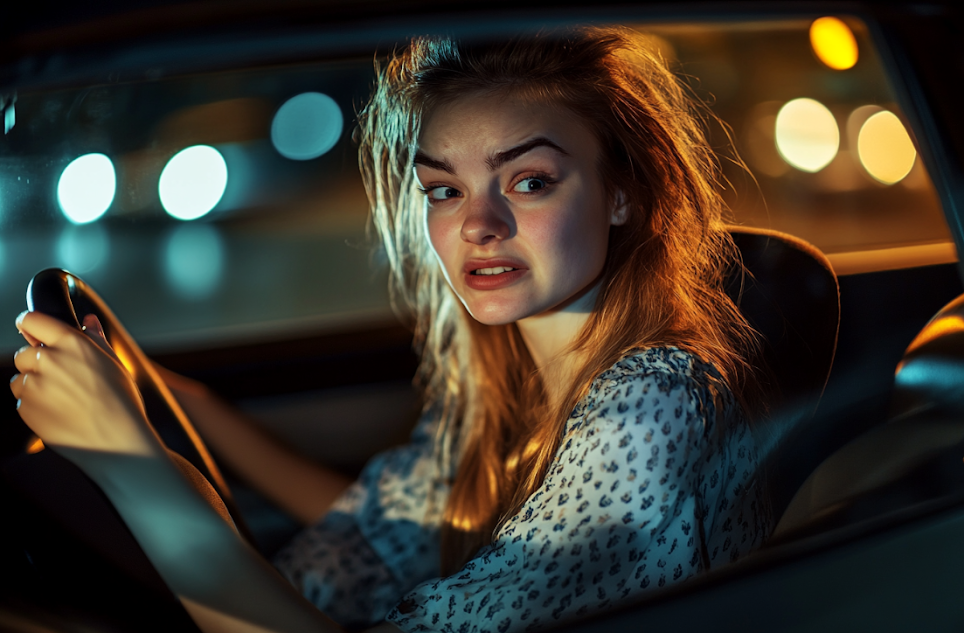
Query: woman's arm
[[75, 394], [297, 484], [221, 581]]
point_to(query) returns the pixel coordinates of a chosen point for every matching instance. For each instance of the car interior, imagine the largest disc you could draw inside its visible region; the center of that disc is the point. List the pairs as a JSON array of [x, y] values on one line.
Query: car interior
[[274, 298]]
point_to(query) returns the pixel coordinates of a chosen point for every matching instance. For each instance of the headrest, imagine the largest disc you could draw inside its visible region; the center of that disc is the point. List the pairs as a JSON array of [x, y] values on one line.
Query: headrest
[[790, 295]]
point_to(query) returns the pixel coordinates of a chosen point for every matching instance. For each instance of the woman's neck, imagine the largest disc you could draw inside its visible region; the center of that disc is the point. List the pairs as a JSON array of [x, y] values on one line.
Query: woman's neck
[[549, 337]]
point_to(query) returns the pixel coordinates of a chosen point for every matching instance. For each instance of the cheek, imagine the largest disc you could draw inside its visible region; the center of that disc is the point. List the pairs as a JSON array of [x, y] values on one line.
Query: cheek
[[577, 235], [443, 236]]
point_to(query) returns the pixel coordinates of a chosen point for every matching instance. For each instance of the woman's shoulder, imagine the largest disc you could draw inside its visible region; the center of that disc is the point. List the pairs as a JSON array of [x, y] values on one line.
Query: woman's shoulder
[[664, 368], [655, 382], [672, 364]]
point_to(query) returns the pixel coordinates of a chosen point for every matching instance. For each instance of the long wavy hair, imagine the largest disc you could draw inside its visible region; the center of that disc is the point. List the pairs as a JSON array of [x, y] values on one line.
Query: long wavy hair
[[662, 280]]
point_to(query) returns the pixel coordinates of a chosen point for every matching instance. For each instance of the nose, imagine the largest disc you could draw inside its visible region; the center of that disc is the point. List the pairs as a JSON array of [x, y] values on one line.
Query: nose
[[486, 220]]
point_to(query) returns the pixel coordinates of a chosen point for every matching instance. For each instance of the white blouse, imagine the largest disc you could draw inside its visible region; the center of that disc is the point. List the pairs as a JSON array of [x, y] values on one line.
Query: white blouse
[[644, 491]]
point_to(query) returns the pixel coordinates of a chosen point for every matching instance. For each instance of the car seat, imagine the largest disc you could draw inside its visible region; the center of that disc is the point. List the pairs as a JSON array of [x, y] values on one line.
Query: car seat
[[789, 294], [912, 459]]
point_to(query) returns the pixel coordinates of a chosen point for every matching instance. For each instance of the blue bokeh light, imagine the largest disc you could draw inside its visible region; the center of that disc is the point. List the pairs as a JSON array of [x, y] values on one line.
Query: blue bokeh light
[[193, 182], [194, 260], [306, 126], [81, 249], [86, 188]]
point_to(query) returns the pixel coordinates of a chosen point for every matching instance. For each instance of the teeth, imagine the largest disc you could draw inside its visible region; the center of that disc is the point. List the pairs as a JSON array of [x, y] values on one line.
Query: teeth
[[493, 271]]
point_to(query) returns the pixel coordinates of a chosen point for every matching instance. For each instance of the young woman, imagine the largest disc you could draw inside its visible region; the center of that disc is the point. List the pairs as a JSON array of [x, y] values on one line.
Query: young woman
[[549, 210]]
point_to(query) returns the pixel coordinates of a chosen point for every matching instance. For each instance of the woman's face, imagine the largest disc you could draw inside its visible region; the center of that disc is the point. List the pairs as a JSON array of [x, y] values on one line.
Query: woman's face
[[516, 209]]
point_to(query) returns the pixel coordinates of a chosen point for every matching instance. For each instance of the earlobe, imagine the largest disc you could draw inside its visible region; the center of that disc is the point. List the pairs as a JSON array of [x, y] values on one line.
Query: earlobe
[[620, 212]]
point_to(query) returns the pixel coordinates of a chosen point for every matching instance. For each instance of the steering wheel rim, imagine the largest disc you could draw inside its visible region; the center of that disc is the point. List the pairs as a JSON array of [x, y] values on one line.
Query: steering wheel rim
[[63, 295]]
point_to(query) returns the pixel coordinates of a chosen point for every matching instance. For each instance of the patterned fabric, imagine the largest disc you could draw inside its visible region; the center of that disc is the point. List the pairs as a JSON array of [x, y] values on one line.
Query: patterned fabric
[[644, 491]]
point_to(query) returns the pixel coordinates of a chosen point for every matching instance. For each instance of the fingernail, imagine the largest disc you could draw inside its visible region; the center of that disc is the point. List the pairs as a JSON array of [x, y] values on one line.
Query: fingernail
[[18, 403], [20, 318], [14, 378]]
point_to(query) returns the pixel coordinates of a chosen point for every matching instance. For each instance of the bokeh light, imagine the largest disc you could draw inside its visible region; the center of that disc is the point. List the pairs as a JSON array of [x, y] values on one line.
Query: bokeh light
[[86, 188], [885, 148], [194, 260], [81, 249], [834, 43], [306, 126], [193, 182], [807, 135]]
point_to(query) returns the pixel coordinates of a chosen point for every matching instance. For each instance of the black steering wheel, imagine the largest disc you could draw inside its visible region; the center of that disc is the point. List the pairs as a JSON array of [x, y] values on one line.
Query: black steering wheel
[[62, 490], [65, 296]]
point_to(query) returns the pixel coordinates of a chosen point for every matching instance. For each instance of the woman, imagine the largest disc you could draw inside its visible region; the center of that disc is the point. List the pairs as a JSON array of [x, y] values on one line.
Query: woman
[[549, 211]]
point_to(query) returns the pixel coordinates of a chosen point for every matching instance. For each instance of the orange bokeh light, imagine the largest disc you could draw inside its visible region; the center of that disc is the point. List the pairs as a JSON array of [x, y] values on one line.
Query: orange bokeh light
[[834, 43]]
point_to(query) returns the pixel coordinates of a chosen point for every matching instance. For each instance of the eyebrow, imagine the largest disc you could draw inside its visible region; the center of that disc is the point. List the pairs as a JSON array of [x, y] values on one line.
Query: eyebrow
[[501, 158], [493, 162], [421, 158]]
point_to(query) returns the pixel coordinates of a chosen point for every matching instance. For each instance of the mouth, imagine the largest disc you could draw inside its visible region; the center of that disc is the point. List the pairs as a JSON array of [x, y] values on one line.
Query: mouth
[[498, 270], [493, 273]]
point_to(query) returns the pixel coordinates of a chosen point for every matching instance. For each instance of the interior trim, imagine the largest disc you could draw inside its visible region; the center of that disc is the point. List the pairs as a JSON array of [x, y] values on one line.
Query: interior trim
[[856, 262]]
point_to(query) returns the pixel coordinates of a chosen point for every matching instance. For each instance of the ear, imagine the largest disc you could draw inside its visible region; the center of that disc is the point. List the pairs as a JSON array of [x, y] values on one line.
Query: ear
[[620, 211]]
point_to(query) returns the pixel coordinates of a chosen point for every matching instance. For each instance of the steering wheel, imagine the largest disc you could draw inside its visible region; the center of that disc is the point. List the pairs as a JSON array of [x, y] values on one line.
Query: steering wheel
[[61, 489]]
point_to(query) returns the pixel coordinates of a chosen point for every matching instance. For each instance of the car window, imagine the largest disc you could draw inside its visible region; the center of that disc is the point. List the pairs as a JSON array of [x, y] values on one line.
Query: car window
[[823, 151], [226, 206]]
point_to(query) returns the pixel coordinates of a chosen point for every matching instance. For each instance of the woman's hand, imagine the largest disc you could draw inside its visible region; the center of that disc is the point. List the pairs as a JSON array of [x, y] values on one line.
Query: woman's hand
[[73, 391]]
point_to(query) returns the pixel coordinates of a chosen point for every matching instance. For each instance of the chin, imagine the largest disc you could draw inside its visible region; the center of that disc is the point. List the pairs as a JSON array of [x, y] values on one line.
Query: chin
[[488, 314]]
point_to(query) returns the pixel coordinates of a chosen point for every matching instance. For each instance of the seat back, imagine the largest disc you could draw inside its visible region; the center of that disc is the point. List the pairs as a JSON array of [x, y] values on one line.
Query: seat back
[[913, 457], [790, 295]]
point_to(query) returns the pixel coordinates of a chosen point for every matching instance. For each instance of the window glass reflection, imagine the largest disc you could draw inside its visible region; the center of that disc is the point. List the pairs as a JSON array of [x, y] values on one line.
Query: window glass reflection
[[193, 260], [82, 249]]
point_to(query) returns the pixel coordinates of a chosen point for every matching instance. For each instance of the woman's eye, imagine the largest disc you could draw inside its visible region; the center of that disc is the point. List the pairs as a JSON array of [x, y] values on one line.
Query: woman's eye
[[528, 185], [442, 193]]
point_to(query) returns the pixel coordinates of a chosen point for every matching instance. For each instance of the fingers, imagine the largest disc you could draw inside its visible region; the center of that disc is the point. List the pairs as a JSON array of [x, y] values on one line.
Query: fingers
[[42, 329], [16, 386], [29, 338], [27, 359]]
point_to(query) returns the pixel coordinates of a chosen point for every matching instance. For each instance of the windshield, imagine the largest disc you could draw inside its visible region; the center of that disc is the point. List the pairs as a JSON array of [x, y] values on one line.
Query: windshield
[[227, 206]]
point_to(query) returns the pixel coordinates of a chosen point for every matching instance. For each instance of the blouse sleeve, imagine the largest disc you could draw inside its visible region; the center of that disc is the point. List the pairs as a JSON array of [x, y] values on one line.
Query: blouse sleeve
[[378, 540], [617, 514]]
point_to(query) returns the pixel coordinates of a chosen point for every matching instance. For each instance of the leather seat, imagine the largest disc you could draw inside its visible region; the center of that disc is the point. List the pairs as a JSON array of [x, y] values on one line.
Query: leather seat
[[789, 295], [913, 458]]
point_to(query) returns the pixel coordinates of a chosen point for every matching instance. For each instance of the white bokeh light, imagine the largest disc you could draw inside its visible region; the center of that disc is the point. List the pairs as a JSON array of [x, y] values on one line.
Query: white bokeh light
[[806, 134], [86, 188], [194, 260], [81, 249], [193, 182], [306, 126]]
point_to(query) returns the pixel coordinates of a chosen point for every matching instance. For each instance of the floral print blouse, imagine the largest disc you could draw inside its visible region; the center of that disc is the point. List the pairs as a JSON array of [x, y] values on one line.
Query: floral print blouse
[[645, 491]]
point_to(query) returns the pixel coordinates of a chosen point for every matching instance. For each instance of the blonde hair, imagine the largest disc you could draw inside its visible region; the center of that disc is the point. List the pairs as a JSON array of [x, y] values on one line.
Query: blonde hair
[[662, 280]]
